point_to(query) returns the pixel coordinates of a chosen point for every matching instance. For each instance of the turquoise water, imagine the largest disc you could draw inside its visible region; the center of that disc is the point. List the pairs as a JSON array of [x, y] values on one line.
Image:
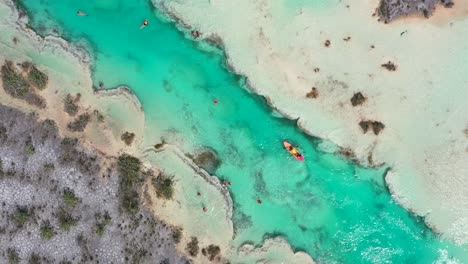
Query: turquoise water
[[328, 207]]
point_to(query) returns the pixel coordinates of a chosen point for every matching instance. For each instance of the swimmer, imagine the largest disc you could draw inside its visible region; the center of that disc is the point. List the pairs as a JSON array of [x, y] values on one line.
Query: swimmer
[[81, 13], [215, 102], [145, 24], [101, 85], [198, 194], [259, 201], [204, 209], [196, 34]]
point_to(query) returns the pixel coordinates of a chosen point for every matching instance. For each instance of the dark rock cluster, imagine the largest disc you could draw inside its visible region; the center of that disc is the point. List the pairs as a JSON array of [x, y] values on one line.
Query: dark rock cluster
[[390, 10]]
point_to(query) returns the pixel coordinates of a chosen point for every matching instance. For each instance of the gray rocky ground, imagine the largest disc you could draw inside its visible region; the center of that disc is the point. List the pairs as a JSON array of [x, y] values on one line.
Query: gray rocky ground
[[389, 10], [61, 203]]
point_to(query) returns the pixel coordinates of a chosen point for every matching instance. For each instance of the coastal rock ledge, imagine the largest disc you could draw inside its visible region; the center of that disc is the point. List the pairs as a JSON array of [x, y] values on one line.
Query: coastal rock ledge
[[390, 10]]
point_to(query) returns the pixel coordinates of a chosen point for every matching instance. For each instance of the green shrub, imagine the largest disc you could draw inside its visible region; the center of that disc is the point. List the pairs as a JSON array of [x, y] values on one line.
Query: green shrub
[[37, 78], [70, 105], [212, 251], [129, 170], [163, 186], [29, 148], [66, 221], [192, 247], [101, 223], [13, 257], [70, 199], [47, 231], [177, 234], [79, 124], [22, 215], [13, 82]]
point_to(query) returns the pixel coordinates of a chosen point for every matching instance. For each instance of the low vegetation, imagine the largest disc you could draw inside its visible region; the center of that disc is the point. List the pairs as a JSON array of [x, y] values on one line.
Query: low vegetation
[[101, 222], [13, 82], [65, 219], [129, 170], [192, 247], [80, 123], [37, 78], [128, 138], [47, 231], [211, 252], [70, 104], [70, 199], [13, 257], [163, 186], [29, 148], [22, 216], [177, 234], [16, 86]]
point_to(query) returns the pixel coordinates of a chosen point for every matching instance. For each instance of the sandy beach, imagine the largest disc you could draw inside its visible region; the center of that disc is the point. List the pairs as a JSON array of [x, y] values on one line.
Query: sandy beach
[[421, 101]]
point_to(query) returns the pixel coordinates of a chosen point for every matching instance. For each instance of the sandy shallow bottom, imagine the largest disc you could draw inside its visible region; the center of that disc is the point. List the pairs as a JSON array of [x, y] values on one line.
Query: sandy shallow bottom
[[422, 104]]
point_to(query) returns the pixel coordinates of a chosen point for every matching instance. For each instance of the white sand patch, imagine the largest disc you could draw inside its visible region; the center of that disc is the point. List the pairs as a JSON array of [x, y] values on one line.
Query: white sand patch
[[423, 104]]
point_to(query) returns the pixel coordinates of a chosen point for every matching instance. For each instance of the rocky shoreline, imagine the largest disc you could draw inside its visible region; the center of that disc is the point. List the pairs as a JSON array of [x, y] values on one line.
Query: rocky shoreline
[[390, 10]]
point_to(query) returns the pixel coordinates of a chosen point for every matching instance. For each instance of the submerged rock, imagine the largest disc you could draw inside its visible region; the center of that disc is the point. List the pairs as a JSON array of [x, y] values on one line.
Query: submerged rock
[[389, 10], [358, 99], [208, 160]]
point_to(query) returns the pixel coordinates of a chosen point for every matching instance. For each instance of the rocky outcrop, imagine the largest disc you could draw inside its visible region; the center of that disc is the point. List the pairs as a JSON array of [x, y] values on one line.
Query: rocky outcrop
[[358, 99], [390, 10], [376, 126]]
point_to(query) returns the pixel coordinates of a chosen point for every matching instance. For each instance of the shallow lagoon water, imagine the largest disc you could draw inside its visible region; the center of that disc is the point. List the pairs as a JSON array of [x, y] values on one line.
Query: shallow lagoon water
[[326, 206]]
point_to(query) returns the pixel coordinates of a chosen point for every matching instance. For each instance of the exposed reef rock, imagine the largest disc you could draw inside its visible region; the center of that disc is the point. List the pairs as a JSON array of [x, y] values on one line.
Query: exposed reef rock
[[390, 10], [376, 126], [313, 93], [358, 99], [390, 66]]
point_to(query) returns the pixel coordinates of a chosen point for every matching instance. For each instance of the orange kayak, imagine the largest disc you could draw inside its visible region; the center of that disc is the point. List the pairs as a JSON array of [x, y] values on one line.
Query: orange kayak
[[293, 151]]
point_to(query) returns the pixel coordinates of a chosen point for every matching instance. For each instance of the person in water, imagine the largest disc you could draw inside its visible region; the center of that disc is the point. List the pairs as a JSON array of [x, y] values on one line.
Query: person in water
[[145, 24], [81, 13], [101, 85]]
